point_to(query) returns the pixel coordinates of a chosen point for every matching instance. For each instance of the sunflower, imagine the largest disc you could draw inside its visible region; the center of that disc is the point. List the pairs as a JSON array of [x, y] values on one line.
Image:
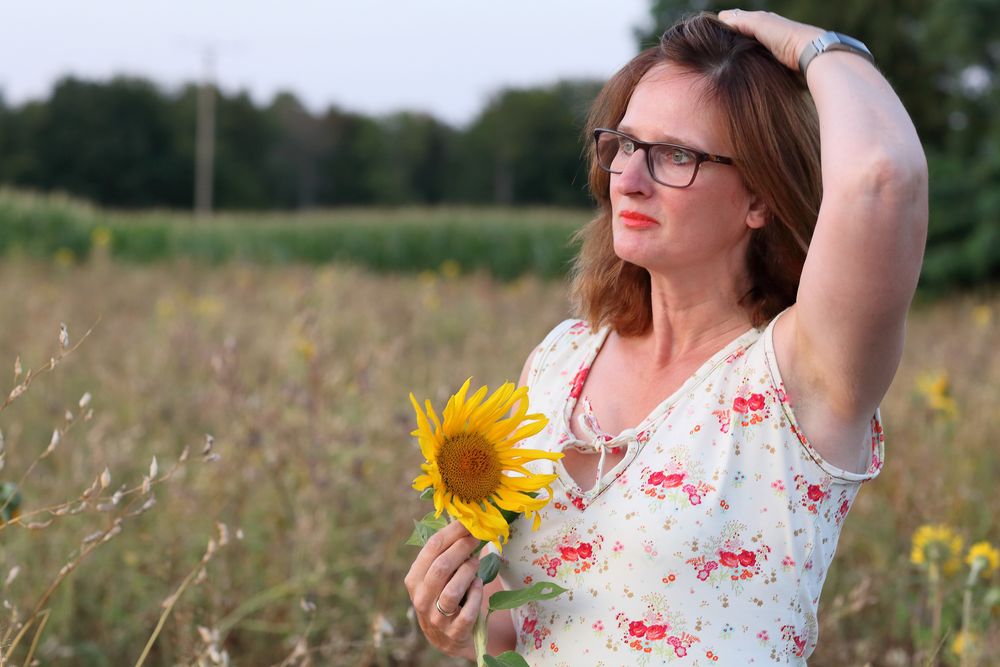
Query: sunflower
[[470, 452]]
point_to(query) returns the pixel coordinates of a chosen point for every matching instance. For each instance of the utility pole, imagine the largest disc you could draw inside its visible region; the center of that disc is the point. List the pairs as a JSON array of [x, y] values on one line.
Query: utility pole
[[204, 155]]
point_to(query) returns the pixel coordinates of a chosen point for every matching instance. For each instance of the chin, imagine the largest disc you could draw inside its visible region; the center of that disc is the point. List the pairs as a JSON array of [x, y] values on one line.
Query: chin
[[633, 255]]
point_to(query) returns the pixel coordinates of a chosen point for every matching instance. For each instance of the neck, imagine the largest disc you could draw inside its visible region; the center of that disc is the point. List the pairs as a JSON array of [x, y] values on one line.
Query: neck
[[693, 315]]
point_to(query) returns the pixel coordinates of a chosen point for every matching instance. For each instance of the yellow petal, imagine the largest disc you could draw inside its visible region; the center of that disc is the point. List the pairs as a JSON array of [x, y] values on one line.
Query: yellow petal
[[482, 525], [422, 482], [525, 431], [470, 406], [519, 455], [453, 409], [533, 483], [434, 418], [494, 407], [504, 427], [428, 444]]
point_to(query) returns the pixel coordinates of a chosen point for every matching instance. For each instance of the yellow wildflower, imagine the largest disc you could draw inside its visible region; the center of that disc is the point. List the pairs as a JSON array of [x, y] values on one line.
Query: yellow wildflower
[[208, 306], [64, 257], [988, 556], [936, 391], [982, 316], [450, 269], [100, 237], [305, 348], [936, 544], [470, 450], [964, 643]]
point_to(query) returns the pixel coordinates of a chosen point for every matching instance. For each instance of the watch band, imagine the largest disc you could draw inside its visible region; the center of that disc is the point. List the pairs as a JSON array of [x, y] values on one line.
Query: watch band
[[832, 41]]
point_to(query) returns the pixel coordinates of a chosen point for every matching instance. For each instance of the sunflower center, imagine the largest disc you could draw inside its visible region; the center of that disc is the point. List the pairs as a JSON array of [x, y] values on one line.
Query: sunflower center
[[469, 466]]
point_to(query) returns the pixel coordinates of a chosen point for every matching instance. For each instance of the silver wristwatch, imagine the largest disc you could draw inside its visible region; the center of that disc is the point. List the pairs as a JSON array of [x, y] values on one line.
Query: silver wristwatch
[[832, 41]]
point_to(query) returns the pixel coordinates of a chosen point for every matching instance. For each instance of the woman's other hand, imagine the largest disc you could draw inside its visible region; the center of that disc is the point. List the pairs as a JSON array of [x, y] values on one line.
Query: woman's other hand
[[784, 38], [443, 577]]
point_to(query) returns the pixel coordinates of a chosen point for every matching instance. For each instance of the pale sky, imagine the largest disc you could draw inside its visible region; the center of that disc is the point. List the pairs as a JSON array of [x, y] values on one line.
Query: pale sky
[[376, 56]]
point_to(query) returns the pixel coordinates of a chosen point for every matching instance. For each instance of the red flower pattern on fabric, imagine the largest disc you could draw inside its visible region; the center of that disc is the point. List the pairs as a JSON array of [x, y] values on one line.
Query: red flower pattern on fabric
[[637, 629], [729, 559], [578, 382]]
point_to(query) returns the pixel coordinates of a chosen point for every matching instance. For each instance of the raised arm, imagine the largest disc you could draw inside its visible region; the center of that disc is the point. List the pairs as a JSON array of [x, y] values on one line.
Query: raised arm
[[843, 338]]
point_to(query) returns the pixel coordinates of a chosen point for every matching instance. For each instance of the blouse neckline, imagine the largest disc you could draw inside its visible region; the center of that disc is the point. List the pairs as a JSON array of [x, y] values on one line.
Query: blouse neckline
[[635, 437]]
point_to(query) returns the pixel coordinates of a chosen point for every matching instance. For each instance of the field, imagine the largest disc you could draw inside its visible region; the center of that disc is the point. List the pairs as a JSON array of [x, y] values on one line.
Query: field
[[300, 374]]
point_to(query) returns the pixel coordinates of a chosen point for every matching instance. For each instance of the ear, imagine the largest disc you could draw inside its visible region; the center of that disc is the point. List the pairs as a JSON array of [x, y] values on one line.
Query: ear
[[758, 214]]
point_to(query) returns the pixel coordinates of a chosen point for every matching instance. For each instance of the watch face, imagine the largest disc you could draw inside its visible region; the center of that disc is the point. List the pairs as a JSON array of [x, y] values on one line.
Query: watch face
[[830, 40]]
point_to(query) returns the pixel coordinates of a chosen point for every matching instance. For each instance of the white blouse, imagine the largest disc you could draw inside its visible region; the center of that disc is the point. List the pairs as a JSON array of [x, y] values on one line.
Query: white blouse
[[707, 544]]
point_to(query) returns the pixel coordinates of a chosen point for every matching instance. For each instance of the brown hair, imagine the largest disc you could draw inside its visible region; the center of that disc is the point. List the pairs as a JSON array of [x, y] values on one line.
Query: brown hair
[[772, 124]]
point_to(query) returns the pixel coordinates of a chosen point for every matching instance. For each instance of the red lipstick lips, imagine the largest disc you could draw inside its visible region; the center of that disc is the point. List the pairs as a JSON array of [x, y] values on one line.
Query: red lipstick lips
[[636, 220]]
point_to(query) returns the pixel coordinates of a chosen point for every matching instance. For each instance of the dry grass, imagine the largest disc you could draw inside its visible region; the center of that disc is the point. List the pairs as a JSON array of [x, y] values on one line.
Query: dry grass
[[302, 375]]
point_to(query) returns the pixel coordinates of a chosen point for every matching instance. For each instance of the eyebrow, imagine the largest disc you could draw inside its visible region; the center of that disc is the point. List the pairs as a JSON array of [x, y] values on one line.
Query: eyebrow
[[663, 138]]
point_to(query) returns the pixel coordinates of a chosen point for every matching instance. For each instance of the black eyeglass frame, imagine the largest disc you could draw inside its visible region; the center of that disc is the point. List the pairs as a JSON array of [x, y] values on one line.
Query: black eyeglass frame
[[701, 156]]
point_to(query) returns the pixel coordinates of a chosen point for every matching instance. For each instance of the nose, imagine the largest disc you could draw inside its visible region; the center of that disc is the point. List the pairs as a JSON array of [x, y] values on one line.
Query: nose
[[635, 178]]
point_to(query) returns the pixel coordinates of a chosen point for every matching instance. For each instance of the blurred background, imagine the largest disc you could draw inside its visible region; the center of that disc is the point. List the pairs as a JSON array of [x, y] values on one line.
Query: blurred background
[[234, 237]]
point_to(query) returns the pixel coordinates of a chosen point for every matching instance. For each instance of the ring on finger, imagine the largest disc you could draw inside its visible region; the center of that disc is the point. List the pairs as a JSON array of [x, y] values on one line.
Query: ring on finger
[[437, 605]]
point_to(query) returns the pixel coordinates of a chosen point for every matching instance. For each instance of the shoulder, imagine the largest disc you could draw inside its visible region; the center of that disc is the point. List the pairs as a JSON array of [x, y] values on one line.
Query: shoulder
[[566, 336]]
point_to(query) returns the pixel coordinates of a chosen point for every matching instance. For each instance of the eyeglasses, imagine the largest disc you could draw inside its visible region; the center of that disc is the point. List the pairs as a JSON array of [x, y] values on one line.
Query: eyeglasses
[[669, 164]]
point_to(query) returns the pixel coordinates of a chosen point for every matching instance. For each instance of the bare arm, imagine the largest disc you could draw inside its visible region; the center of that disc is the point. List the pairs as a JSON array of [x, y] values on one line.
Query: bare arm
[[842, 341]]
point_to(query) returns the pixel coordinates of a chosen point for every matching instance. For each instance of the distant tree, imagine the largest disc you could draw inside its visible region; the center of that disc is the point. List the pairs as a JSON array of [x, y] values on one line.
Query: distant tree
[[348, 165], [109, 142], [526, 147], [298, 151], [245, 141], [412, 160]]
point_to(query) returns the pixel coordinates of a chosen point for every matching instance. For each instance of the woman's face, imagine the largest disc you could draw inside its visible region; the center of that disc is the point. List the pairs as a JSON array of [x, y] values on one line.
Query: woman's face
[[703, 227]]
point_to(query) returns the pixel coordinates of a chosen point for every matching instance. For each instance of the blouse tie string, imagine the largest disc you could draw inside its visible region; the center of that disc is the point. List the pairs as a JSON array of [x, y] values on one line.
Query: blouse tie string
[[599, 441]]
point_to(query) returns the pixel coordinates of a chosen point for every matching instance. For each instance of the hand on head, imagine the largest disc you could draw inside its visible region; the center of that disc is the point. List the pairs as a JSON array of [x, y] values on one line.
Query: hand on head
[[784, 38]]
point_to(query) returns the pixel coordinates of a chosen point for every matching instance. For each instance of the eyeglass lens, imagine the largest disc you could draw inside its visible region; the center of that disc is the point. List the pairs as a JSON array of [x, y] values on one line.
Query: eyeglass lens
[[671, 165]]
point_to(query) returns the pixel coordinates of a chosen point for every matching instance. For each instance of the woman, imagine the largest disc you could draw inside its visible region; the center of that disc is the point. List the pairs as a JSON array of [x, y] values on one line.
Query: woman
[[718, 403]]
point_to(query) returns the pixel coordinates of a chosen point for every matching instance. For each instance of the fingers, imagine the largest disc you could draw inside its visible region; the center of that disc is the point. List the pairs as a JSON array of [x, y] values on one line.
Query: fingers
[[439, 542], [463, 623], [444, 557], [445, 565], [450, 598], [783, 37]]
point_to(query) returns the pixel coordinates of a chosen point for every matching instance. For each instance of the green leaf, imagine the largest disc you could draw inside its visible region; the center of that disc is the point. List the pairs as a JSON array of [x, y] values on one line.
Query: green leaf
[[427, 493], [489, 567], [542, 590], [505, 659], [423, 529]]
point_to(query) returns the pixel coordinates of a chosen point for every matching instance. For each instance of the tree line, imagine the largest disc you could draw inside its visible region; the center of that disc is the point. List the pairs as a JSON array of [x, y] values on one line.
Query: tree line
[[127, 143]]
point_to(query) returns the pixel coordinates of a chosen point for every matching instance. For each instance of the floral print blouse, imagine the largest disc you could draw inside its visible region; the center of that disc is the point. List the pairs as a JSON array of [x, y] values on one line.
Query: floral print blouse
[[707, 544]]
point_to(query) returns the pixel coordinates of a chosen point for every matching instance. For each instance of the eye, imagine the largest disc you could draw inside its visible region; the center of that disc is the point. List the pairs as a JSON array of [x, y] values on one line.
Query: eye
[[674, 157], [627, 146], [679, 156]]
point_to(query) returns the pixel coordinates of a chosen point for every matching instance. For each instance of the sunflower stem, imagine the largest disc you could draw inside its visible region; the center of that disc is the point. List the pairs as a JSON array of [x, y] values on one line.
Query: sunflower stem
[[480, 637]]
